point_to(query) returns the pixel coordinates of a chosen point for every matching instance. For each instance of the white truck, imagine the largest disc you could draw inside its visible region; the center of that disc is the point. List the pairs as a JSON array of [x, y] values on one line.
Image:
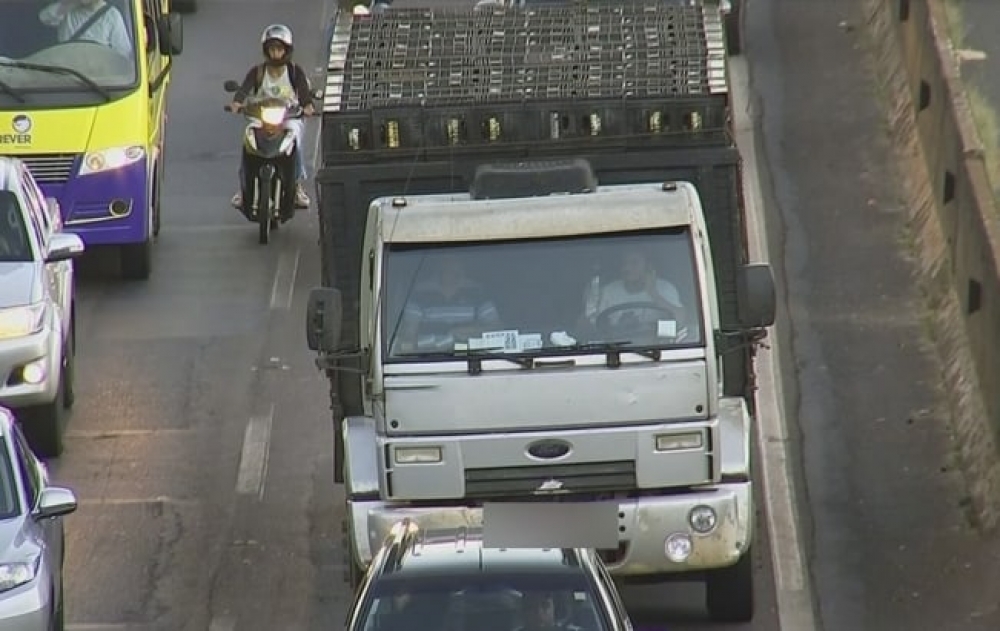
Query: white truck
[[541, 313]]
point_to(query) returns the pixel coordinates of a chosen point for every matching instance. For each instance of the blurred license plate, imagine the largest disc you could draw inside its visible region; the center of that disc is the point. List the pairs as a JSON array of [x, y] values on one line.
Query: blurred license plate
[[550, 525]]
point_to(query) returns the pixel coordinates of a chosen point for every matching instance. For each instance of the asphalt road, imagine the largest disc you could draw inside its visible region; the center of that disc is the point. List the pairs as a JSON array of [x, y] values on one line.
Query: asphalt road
[[178, 377], [886, 532]]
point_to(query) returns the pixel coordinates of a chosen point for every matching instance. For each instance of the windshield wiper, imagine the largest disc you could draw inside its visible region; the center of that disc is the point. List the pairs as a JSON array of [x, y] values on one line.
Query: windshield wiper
[[17, 94], [60, 70], [614, 349], [475, 357]]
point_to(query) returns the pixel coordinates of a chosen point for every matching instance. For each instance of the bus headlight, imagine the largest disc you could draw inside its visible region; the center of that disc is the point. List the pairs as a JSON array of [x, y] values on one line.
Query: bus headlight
[[110, 159]]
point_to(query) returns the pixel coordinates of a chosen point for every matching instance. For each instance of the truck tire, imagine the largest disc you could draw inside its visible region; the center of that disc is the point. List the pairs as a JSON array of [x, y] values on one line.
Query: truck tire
[[729, 591]]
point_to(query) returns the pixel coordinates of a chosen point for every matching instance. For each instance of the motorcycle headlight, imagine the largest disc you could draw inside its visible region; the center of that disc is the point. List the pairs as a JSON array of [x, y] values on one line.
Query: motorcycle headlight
[[111, 159], [21, 321], [16, 574], [272, 115]]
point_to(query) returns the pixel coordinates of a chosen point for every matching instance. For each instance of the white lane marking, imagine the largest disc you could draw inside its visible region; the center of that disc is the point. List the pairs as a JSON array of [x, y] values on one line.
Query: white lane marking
[[968, 54], [795, 608], [283, 287], [222, 623], [253, 460], [124, 433], [132, 501], [107, 626]]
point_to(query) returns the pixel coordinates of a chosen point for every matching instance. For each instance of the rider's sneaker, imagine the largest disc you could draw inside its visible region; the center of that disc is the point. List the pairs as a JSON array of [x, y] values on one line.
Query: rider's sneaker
[[301, 199], [237, 201]]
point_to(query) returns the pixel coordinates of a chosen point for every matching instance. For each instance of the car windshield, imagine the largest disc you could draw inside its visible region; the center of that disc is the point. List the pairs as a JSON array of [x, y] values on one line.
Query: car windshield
[[545, 296], [60, 45], [14, 244], [8, 488], [485, 602]]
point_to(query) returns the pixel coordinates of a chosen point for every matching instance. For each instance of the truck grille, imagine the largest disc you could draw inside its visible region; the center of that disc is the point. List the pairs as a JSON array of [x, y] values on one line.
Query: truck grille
[[50, 168], [586, 477]]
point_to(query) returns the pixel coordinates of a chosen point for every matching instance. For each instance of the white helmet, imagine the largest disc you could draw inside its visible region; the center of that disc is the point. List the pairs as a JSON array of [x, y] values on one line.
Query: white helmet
[[360, 9], [277, 33]]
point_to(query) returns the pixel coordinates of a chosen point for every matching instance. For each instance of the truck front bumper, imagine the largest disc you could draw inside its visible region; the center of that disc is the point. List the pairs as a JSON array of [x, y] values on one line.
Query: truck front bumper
[[647, 526]]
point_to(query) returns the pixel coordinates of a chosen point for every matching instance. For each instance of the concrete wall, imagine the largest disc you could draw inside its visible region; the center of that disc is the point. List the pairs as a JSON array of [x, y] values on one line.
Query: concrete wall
[[955, 225]]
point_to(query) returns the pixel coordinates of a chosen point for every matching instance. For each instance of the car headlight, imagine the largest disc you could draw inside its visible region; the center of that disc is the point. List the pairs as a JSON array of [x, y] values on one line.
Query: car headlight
[[272, 115], [21, 321], [16, 574], [417, 455], [111, 159]]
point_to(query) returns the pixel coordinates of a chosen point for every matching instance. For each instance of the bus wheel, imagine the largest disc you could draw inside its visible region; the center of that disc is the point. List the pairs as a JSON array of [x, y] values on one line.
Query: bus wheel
[[137, 260]]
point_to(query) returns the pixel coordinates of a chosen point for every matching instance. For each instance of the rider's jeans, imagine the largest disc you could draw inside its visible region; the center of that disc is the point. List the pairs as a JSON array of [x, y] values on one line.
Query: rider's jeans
[[298, 127]]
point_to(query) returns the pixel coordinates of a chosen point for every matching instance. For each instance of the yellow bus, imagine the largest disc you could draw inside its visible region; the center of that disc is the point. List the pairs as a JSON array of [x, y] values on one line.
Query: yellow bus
[[83, 93]]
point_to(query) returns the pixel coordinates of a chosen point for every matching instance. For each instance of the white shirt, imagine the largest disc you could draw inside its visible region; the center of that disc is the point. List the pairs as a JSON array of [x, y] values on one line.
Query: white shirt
[[280, 86], [109, 29], [615, 293]]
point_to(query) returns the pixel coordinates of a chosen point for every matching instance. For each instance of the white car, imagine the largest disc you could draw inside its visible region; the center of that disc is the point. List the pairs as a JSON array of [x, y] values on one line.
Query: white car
[[31, 536], [37, 308]]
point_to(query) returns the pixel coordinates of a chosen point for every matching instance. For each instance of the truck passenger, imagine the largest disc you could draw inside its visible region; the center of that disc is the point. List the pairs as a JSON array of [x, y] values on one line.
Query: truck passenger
[[447, 308]]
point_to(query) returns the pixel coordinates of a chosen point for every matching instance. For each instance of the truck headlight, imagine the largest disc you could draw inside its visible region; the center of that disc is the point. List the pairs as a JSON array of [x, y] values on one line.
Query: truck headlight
[[16, 574], [676, 442], [21, 321], [111, 159], [417, 455], [702, 519]]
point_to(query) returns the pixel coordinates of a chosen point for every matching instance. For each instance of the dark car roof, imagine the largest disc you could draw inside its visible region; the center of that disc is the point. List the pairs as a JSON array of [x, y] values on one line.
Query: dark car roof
[[462, 553]]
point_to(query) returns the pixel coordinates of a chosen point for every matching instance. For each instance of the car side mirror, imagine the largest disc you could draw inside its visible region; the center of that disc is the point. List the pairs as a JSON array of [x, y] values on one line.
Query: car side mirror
[[756, 295], [64, 246], [231, 86], [55, 502], [324, 319]]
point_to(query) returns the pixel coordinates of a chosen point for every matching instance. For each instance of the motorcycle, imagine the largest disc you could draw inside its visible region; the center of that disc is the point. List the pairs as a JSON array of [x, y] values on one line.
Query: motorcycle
[[268, 161]]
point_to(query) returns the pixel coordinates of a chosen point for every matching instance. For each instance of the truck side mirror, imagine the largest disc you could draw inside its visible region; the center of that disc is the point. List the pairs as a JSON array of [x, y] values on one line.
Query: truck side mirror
[[171, 34], [756, 295], [323, 319]]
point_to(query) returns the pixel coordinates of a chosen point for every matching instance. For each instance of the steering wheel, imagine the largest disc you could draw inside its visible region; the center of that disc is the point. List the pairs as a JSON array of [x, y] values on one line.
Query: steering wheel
[[603, 323]]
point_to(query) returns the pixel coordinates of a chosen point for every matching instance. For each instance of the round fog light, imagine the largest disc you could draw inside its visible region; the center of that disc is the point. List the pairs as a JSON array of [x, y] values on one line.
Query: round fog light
[[119, 207], [33, 372], [678, 547], [702, 519]]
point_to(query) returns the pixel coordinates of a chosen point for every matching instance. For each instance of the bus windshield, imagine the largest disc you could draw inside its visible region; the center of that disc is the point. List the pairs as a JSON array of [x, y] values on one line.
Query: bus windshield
[[66, 46]]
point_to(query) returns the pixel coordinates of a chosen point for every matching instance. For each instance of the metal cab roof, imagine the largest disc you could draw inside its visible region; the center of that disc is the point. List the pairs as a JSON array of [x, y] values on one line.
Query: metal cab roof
[[449, 217]]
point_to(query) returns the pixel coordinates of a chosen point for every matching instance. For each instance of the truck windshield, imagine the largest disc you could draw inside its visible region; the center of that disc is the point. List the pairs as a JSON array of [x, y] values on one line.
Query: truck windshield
[[463, 602], [65, 46], [544, 296]]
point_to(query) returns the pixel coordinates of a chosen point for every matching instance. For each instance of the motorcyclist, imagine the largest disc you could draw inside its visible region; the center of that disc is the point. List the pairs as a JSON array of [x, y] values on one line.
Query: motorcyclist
[[279, 76]]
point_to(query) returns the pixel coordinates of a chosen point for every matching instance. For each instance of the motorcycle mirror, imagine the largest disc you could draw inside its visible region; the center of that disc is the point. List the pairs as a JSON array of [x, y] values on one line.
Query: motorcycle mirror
[[230, 86]]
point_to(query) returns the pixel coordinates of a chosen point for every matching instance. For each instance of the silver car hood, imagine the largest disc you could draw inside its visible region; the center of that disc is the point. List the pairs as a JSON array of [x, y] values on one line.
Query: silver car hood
[[19, 284]]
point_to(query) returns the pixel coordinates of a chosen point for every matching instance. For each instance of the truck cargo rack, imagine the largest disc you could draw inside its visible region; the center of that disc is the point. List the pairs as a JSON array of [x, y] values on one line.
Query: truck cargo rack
[[435, 82]]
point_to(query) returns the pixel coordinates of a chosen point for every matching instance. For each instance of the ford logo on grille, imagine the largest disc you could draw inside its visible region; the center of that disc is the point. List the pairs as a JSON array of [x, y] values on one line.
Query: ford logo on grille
[[548, 449]]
